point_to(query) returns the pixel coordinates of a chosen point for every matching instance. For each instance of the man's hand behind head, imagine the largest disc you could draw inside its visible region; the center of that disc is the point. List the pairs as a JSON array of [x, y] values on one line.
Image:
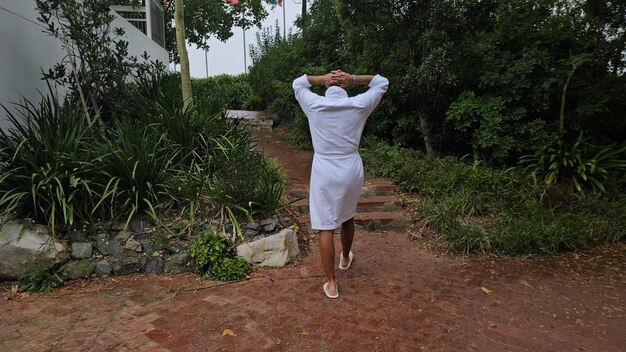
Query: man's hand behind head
[[343, 79], [330, 80]]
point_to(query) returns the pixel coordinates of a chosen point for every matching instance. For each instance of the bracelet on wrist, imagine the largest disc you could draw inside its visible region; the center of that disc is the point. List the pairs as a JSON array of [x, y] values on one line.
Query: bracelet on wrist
[[353, 79]]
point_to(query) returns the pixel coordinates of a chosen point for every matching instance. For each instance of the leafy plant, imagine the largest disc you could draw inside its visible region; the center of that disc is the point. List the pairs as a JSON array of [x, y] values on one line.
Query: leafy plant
[[298, 135], [97, 66], [139, 159], [477, 208], [215, 257], [580, 165], [49, 174], [40, 281], [222, 92], [242, 177]]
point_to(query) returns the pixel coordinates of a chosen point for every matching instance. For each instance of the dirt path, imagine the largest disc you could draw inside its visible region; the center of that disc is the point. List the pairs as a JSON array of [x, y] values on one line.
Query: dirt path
[[395, 297]]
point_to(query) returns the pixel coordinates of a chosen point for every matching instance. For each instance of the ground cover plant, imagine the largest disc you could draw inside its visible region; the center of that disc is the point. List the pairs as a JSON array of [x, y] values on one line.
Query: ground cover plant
[[478, 208]]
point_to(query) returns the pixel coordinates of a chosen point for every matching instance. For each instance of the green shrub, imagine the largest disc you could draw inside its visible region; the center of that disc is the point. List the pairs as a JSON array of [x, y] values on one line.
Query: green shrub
[[215, 258], [242, 177], [223, 92], [139, 159], [478, 208], [40, 281], [48, 173], [579, 165], [458, 230], [154, 90], [531, 228], [154, 156], [298, 135]]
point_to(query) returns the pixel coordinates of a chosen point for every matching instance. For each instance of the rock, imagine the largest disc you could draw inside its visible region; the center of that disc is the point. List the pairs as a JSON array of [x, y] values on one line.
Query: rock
[[258, 237], [209, 227], [154, 265], [254, 226], [373, 225], [133, 245], [60, 247], [178, 263], [269, 225], [275, 250], [286, 221], [76, 236], [123, 236], [25, 249], [250, 233], [368, 191], [298, 193], [390, 206], [121, 226], [82, 250], [78, 269], [103, 268], [142, 236], [228, 228], [102, 236], [126, 263], [149, 247], [141, 225], [108, 247], [176, 247]]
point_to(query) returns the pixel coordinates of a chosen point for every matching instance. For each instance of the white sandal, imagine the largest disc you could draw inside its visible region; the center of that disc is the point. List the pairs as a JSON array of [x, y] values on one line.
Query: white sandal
[[325, 287], [350, 257]]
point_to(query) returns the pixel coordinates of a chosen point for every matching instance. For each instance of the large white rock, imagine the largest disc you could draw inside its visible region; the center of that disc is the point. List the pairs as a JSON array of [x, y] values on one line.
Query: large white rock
[[275, 250], [25, 249]]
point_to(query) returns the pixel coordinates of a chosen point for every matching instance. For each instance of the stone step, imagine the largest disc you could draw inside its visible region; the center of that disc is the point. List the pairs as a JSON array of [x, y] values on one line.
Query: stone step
[[378, 190], [365, 204], [371, 221], [250, 120]]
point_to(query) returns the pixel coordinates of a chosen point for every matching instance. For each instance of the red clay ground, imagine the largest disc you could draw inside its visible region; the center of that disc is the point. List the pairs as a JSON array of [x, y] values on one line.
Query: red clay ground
[[395, 297]]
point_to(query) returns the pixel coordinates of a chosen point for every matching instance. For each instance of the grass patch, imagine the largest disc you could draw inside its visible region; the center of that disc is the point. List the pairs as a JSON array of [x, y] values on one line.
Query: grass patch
[[482, 209]]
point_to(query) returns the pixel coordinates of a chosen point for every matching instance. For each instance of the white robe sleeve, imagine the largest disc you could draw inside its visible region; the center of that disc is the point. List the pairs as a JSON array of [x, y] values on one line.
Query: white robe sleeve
[[303, 93], [370, 99]]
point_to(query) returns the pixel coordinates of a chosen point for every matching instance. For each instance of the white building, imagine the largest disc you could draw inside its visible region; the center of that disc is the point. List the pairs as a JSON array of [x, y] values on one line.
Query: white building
[[25, 49]]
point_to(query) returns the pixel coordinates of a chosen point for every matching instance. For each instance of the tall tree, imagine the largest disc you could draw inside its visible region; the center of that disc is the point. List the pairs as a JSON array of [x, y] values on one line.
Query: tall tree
[[196, 21], [185, 76], [417, 41]]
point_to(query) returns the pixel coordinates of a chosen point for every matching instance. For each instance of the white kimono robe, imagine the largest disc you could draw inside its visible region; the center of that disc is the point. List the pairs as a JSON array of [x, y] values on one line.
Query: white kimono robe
[[336, 122]]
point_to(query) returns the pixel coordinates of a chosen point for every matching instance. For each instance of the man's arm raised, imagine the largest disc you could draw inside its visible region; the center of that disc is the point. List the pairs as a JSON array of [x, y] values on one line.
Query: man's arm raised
[[326, 80], [347, 80]]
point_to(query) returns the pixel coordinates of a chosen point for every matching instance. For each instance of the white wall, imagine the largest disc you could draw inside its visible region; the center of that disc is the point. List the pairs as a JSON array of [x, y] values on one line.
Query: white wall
[[25, 50], [139, 42]]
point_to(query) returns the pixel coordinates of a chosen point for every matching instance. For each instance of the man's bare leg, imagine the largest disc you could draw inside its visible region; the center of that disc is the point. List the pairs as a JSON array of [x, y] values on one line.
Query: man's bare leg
[[347, 235], [327, 254]]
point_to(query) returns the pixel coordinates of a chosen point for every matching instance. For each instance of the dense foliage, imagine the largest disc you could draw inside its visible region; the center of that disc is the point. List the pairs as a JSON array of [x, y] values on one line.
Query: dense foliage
[[494, 79], [222, 92], [530, 94], [479, 208], [97, 67], [58, 169], [148, 155], [214, 256]]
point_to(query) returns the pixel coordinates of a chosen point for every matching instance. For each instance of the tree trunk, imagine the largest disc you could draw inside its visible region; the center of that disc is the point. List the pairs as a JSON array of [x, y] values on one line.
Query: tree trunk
[[303, 15], [424, 126], [185, 76], [425, 129]]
